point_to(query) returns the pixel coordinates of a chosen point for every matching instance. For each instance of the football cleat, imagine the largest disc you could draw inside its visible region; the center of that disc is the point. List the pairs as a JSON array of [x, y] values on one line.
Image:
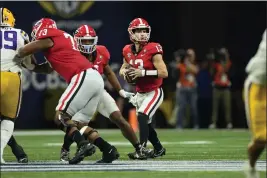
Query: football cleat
[[250, 172], [64, 155], [158, 153], [84, 149], [23, 159], [20, 154], [141, 154], [109, 156]]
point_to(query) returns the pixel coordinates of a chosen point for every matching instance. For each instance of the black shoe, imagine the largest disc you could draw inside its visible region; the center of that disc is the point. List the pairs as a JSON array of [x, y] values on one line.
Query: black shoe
[[141, 154], [64, 155], [109, 156], [84, 149], [23, 159], [158, 153], [20, 154]]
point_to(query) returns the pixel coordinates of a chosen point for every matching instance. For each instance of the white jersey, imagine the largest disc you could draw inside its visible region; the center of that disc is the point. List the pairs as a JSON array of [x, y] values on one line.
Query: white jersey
[[11, 40], [256, 67]]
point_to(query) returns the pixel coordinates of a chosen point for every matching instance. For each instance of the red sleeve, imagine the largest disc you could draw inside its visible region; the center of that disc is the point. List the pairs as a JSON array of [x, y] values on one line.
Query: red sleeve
[[155, 48], [124, 50], [105, 53]]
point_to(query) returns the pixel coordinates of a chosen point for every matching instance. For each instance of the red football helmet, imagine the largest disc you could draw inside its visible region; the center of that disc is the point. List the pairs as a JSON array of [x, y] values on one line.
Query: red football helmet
[[41, 24], [139, 36], [86, 39]]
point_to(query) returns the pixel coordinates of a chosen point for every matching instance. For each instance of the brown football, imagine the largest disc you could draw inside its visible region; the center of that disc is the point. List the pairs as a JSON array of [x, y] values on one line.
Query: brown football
[[128, 78]]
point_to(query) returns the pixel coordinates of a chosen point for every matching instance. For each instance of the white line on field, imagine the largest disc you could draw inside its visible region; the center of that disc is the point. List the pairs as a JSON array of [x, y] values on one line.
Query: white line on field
[[120, 165]]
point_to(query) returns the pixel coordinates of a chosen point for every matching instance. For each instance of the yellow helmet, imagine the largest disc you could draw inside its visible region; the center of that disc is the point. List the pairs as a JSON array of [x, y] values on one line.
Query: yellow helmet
[[7, 18]]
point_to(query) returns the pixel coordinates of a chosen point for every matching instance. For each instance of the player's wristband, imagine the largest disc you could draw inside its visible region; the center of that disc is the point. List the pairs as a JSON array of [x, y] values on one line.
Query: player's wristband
[[153, 73]]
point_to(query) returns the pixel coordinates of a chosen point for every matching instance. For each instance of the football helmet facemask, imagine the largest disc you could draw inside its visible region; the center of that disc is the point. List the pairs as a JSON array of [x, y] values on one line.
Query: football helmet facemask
[[86, 39], [139, 31]]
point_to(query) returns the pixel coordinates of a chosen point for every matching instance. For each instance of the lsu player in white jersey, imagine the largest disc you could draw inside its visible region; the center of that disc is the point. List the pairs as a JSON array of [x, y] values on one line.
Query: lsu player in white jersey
[[11, 39], [255, 105]]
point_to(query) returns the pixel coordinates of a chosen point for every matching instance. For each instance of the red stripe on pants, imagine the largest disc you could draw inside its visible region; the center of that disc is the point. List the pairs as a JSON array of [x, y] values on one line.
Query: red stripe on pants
[[69, 93], [152, 101]]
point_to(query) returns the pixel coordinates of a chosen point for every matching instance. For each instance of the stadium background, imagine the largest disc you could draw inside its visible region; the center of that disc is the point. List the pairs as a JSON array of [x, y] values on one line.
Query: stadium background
[[236, 25]]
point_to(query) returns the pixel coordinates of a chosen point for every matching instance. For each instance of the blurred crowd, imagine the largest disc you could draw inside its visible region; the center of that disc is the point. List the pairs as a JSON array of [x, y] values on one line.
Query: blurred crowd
[[202, 88]]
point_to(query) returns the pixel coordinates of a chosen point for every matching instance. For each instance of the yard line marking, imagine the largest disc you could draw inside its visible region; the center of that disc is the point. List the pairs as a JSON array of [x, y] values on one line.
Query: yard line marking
[[57, 166]]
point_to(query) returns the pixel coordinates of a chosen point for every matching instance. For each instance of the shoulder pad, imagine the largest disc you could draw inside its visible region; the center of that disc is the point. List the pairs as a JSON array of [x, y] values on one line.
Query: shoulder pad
[[104, 51], [154, 48], [124, 50]]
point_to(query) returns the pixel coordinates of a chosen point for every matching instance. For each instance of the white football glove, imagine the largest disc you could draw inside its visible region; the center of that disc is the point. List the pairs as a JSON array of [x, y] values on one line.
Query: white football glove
[[125, 94], [27, 62]]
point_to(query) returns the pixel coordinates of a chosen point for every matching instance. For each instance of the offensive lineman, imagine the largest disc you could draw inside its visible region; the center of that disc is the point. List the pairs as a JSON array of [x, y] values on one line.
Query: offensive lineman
[[255, 105], [149, 68], [85, 84]]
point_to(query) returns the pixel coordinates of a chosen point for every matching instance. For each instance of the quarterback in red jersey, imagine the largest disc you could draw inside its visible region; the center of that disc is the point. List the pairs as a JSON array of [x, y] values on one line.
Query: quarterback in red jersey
[[148, 69], [85, 84], [99, 56]]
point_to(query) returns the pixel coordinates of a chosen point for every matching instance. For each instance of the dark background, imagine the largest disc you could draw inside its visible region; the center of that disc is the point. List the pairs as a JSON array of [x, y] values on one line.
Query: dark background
[[200, 25]]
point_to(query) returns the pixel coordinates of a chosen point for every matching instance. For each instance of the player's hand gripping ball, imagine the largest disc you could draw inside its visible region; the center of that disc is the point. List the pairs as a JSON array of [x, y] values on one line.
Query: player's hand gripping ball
[[129, 78]]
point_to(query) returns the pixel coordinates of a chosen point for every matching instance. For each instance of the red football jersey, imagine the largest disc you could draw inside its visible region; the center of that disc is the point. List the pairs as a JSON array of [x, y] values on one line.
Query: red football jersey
[[64, 56], [102, 58], [143, 60]]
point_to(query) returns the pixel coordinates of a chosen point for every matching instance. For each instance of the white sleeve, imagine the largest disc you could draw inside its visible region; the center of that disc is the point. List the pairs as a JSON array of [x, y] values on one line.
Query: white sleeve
[[256, 67], [258, 62]]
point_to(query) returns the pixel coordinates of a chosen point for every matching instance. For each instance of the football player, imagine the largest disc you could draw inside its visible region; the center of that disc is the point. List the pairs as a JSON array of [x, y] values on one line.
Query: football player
[[99, 55], [255, 105], [85, 84], [148, 70], [11, 40]]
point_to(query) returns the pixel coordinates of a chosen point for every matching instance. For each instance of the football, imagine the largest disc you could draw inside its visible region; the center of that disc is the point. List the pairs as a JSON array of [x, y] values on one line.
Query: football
[[128, 78]]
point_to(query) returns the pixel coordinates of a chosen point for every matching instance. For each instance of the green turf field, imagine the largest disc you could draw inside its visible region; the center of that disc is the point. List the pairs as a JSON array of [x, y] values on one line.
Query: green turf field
[[204, 146]]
